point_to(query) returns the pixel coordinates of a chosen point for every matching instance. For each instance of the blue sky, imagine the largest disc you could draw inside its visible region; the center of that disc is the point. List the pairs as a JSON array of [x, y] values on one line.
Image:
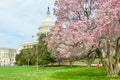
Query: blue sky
[[20, 19]]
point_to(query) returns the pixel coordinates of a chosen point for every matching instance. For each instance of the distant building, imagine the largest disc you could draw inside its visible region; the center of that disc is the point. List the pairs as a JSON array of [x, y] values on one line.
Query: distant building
[[7, 57], [44, 28], [26, 45]]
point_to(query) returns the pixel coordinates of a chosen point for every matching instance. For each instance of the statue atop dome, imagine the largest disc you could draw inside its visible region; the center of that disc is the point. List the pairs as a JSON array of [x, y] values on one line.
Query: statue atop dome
[[46, 24], [48, 12]]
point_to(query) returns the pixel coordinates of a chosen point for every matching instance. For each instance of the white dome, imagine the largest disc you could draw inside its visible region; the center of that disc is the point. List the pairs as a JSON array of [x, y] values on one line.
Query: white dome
[[46, 24]]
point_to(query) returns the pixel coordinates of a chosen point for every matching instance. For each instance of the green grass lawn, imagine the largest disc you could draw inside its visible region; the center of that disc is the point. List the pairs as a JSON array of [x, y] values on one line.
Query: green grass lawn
[[53, 73]]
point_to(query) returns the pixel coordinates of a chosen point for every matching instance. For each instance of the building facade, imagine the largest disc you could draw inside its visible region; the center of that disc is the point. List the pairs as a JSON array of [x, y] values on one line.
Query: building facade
[[26, 45], [7, 57]]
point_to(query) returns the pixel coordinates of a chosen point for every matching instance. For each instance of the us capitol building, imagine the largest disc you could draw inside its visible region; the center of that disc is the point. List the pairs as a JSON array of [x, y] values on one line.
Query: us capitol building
[[7, 56]]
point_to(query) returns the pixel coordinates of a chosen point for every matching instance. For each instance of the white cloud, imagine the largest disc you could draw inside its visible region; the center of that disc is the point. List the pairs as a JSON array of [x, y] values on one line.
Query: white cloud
[[21, 19]]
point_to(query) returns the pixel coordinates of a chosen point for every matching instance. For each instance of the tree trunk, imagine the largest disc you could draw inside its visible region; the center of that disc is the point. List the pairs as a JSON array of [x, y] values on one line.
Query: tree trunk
[[114, 62], [28, 62], [59, 63], [112, 72], [90, 59], [111, 64], [71, 61], [89, 63], [117, 55]]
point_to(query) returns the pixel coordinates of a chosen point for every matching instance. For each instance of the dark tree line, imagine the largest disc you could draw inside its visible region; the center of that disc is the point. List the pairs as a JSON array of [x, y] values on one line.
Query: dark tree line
[[37, 54]]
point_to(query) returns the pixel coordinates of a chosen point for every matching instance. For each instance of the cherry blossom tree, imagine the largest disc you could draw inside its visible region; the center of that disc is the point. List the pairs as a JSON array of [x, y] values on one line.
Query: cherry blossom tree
[[75, 24], [54, 40], [84, 26], [108, 34]]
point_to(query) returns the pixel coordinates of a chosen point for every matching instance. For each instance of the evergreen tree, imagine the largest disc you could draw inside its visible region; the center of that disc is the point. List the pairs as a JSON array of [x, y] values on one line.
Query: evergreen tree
[[44, 56]]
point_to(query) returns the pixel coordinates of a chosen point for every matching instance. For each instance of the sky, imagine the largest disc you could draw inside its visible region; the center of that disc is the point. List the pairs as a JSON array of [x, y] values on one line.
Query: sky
[[20, 20]]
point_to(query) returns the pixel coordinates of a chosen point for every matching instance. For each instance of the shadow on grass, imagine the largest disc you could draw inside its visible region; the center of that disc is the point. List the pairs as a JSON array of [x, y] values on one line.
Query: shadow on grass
[[82, 74]]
